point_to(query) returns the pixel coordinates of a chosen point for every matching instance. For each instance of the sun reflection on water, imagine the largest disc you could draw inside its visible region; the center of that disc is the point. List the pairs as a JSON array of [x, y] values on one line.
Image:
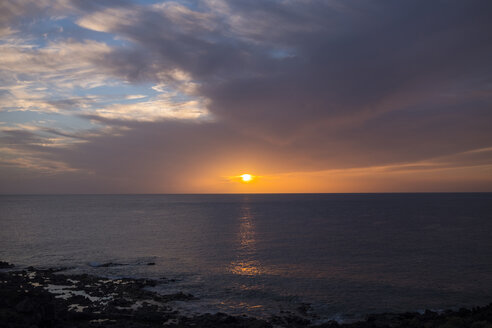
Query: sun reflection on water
[[246, 263]]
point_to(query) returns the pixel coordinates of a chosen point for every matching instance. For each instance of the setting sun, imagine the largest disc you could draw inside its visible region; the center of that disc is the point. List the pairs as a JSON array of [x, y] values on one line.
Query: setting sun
[[246, 177]]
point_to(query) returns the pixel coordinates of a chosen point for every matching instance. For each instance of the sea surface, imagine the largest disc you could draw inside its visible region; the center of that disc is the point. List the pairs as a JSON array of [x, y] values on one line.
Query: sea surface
[[344, 254]]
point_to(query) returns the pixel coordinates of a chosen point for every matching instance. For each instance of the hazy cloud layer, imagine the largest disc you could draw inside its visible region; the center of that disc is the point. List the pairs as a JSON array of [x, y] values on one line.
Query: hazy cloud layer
[[179, 96]]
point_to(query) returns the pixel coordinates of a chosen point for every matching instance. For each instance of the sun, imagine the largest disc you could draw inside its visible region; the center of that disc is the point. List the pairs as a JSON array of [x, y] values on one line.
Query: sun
[[246, 177]]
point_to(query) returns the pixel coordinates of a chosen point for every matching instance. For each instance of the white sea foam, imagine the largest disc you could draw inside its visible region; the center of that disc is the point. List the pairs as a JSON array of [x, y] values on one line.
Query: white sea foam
[[65, 292]]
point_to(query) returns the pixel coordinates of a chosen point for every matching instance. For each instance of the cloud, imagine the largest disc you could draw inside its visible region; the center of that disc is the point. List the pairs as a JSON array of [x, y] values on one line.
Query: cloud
[[35, 78], [387, 90], [359, 62], [131, 97], [156, 109], [106, 20]]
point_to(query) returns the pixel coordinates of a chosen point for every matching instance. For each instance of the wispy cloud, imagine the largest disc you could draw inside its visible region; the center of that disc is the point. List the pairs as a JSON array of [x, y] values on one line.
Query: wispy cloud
[[161, 108]]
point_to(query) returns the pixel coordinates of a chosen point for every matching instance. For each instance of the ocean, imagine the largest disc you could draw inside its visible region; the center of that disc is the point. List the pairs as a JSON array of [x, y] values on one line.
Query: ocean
[[338, 256]]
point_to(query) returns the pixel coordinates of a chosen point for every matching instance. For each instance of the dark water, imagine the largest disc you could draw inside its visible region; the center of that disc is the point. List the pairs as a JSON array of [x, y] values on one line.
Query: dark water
[[346, 254]]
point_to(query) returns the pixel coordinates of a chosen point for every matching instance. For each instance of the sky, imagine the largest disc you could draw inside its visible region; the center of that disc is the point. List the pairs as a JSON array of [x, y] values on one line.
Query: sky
[[186, 96]]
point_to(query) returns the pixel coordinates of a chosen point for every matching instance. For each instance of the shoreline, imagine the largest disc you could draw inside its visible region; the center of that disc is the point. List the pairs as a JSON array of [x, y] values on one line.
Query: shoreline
[[33, 297]]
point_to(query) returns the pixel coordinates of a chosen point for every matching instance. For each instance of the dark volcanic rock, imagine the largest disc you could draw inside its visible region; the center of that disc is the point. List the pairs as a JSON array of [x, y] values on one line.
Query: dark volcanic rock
[[24, 307], [174, 297], [290, 321], [5, 265], [105, 265], [89, 301], [220, 320]]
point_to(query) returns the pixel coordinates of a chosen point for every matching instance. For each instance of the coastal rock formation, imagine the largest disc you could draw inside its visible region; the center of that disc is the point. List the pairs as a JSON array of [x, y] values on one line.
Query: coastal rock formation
[[5, 265], [48, 298]]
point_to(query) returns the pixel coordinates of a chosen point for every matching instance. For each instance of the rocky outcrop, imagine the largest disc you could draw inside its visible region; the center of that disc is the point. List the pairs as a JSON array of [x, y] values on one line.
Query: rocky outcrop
[[49, 298]]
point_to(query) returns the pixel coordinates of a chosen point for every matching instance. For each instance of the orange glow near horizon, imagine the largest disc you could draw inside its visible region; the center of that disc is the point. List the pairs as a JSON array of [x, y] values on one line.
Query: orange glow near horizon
[[412, 177]]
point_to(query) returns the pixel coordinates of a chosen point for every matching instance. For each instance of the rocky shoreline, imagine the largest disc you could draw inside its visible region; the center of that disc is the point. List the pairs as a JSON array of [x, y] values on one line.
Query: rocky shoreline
[[49, 298]]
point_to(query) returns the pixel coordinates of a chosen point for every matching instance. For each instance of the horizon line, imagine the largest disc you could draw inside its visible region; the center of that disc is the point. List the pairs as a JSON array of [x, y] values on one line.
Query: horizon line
[[250, 193]]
